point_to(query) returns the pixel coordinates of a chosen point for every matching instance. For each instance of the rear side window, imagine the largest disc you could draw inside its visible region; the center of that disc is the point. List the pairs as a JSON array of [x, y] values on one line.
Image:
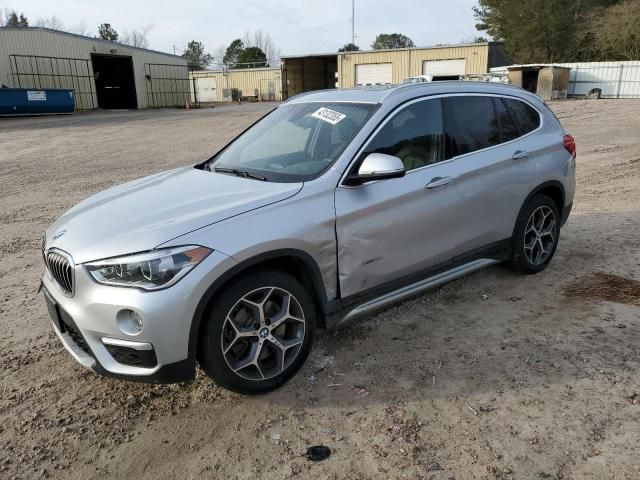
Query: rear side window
[[471, 124], [526, 118], [415, 135], [508, 127]]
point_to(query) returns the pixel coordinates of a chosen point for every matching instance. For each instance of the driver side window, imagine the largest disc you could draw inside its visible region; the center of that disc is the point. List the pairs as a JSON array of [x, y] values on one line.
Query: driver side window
[[415, 135]]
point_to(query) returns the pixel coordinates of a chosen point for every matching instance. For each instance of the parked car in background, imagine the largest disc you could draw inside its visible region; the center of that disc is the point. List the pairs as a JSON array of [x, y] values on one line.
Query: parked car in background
[[334, 205]]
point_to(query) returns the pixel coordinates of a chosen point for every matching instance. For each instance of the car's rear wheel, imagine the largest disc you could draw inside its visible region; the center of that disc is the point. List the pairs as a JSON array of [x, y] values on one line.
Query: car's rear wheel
[[536, 235], [258, 332]]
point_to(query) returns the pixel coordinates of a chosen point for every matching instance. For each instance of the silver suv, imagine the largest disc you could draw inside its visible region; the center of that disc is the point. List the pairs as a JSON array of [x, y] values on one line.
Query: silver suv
[[335, 204]]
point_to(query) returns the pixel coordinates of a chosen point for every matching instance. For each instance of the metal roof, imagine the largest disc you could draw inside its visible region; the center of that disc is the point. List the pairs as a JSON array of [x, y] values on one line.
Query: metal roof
[[86, 38], [359, 52]]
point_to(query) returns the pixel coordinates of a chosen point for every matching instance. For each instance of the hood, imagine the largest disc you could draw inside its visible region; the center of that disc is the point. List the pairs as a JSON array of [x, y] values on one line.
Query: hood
[[145, 213]]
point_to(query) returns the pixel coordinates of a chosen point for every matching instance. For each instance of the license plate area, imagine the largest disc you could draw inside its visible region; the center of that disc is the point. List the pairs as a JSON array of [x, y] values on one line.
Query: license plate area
[[54, 312]]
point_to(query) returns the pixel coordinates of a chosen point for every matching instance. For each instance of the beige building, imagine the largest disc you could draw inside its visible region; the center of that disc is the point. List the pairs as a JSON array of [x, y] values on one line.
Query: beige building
[[102, 74], [378, 67], [263, 84]]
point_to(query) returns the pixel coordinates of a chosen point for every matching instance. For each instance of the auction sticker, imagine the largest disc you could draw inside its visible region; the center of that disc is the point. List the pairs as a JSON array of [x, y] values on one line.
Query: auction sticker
[[328, 115]]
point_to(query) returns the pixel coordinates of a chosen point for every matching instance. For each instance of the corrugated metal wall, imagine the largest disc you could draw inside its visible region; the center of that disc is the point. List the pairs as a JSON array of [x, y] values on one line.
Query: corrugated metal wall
[[48, 43], [263, 83], [408, 62], [615, 79]]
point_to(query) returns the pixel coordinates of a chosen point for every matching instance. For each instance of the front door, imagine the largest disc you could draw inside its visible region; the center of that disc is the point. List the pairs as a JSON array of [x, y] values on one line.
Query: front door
[[392, 228]]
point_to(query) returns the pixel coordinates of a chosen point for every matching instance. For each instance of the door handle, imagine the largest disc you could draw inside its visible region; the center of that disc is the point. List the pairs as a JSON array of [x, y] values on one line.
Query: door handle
[[519, 154], [438, 182]]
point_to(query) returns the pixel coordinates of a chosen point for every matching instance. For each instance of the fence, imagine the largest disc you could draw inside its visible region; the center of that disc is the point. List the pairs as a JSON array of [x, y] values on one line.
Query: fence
[[167, 85], [34, 71], [616, 80]]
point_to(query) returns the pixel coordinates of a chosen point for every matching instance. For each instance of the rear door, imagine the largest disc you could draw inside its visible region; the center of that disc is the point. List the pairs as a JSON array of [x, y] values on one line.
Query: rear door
[[495, 169]]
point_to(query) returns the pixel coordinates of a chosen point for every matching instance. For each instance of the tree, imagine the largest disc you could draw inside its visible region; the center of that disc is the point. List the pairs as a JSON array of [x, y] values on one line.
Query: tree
[[613, 33], [106, 32], [137, 38], [349, 47], [538, 31], [196, 55], [53, 22], [264, 42], [392, 40], [232, 53], [80, 29], [13, 20], [252, 57]]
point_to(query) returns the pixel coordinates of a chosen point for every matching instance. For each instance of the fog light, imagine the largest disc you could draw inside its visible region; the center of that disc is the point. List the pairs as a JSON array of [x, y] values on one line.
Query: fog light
[[129, 322]]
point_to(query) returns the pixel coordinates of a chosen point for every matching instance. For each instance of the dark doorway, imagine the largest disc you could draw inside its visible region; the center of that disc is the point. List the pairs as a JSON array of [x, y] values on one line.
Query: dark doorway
[[530, 80], [115, 84], [444, 78], [307, 73]]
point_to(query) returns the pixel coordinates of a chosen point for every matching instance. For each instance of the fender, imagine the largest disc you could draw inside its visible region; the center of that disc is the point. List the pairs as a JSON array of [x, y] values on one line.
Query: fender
[[306, 260], [538, 189]]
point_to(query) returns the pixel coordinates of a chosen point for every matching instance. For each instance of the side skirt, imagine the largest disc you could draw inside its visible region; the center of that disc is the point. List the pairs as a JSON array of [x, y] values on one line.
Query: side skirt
[[342, 311], [415, 288]]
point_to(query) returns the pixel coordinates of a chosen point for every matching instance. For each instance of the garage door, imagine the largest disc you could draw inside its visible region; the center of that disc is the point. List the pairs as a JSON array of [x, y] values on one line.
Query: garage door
[[444, 68], [373, 74], [207, 89]]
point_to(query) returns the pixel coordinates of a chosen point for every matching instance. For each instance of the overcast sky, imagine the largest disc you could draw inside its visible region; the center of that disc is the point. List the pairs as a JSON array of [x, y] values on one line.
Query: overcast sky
[[297, 26]]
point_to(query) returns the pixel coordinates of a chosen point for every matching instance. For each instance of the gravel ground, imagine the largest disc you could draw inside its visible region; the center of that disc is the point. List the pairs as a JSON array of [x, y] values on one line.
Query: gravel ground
[[494, 376]]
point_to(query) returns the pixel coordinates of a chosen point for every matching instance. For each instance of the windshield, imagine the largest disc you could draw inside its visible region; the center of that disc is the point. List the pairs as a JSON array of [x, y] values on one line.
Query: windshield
[[293, 143]]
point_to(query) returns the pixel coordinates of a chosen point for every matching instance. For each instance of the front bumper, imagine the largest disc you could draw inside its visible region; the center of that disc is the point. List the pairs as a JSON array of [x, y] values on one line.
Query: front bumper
[[87, 324]]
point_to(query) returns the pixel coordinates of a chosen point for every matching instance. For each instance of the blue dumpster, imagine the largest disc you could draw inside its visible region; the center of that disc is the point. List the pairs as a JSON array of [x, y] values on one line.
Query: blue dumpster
[[25, 101]]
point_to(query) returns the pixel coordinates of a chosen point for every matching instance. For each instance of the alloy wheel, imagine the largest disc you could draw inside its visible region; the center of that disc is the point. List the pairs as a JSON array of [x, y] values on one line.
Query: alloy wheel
[[263, 333], [540, 235]]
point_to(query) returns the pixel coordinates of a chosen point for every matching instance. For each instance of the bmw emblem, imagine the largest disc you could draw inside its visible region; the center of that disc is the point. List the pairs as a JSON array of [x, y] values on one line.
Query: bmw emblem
[[58, 234]]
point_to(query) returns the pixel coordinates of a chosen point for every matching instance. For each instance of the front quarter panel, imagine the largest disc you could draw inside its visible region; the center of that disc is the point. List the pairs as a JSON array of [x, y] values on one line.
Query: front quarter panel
[[304, 223]]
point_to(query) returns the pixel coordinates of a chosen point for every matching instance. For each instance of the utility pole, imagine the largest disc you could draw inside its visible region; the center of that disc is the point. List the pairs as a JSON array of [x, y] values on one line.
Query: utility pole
[[353, 21]]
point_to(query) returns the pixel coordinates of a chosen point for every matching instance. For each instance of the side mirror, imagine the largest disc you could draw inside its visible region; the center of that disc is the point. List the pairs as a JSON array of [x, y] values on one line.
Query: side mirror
[[378, 166]]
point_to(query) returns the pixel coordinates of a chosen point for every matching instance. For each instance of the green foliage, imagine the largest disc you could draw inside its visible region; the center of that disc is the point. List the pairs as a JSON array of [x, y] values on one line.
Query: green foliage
[[612, 33], [15, 21], [196, 55], [349, 47], [252, 57], [232, 53], [107, 32], [546, 31], [392, 40]]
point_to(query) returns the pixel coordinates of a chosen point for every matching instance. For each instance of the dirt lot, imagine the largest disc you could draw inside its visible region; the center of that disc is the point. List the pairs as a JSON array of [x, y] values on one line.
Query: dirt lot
[[492, 376]]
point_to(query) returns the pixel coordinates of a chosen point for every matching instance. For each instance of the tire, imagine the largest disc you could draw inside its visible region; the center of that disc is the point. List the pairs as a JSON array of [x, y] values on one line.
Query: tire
[[535, 239], [250, 353]]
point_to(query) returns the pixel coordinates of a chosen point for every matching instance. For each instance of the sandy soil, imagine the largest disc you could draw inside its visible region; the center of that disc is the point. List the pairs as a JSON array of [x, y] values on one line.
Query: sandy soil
[[492, 376]]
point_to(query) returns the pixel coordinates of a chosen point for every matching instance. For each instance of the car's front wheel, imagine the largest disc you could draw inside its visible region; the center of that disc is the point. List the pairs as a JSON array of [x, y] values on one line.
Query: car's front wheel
[[258, 332], [536, 235]]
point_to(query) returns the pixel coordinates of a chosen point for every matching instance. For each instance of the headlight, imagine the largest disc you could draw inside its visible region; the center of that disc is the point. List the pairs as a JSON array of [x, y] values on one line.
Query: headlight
[[150, 270]]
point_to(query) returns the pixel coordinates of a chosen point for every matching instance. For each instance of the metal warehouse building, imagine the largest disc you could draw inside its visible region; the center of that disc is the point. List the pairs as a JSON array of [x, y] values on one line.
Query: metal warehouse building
[[351, 69], [102, 74], [264, 84]]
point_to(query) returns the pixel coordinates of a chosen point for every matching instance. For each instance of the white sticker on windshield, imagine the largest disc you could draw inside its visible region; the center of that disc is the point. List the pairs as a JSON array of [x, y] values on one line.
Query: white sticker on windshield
[[328, 115]]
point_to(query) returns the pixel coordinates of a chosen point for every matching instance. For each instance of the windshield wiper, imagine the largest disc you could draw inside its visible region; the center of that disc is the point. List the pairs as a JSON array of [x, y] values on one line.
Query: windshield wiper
[[239, 173]]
